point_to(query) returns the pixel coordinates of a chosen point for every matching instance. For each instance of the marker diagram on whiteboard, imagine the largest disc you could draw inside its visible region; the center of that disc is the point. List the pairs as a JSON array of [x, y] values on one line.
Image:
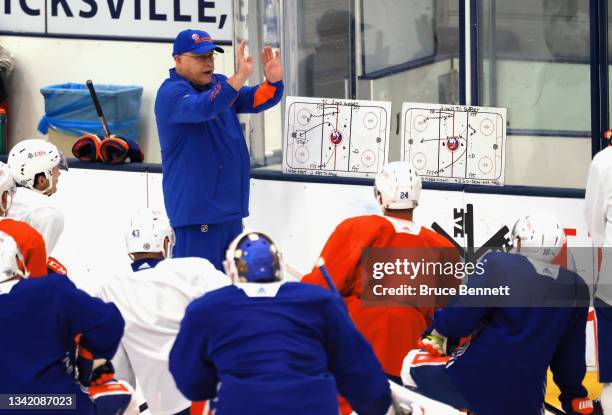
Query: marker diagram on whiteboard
[[335, 137], [455, 144]]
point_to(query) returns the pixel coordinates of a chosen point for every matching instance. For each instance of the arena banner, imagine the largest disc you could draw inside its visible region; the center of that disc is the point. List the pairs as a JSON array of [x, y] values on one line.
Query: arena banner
[[155, 20]]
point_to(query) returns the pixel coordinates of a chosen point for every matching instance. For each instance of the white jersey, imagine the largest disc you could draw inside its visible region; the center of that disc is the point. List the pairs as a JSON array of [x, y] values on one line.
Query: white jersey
[[38, 211], [153, 303], [598, 215], [7, 286]]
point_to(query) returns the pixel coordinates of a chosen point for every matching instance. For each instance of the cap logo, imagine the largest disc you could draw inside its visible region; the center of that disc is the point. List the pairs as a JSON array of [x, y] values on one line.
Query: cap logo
[[197, 39]]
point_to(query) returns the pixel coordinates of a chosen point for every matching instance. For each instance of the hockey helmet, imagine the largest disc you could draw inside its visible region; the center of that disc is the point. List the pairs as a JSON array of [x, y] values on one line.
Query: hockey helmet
[[397, 186], [11, 260], [541, 235], [254, 257], [147, 231], [7, 184], [31, 157]]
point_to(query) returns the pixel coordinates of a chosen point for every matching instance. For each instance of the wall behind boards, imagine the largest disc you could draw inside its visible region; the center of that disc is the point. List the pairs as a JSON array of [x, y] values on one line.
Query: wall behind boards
[[47, 61]]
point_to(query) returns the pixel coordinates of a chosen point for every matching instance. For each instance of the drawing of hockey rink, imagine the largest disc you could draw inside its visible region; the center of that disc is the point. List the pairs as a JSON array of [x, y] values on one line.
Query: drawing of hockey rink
[[455, 144], [335, 137]]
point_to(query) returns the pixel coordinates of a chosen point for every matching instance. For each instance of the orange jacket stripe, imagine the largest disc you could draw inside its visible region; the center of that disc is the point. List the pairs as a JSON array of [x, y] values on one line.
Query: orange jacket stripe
[[264, 93]]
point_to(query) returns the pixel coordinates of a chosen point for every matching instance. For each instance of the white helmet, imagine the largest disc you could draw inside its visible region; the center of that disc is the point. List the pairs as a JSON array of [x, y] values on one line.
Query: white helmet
[[12, 263], [254, 257], [397, 186], [7, 184], [31, 157], [541, 235], [147, 232]]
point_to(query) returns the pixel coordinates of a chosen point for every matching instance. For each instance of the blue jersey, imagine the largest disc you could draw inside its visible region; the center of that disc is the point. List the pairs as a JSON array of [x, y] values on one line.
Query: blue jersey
[[290, 353], [503, 369], [40, 318], [205, 159]]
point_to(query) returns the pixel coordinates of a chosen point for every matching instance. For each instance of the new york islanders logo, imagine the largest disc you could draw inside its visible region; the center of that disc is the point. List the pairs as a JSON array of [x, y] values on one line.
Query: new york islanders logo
[[197, 39]]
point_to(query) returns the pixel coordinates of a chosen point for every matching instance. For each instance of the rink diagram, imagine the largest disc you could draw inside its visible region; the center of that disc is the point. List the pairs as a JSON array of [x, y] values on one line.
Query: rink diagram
[[455, 144], [335, 137]]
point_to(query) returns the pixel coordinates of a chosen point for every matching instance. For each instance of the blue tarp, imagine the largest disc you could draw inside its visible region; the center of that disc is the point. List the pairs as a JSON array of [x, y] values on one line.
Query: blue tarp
[[69, 109]]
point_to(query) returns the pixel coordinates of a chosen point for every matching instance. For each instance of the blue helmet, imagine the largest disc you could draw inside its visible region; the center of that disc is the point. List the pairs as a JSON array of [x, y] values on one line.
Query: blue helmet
[[253, 257]]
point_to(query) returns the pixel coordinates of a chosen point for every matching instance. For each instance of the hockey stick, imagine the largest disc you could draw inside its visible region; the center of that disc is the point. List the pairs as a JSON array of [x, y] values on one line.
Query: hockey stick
[[94, 97], [323, 269]]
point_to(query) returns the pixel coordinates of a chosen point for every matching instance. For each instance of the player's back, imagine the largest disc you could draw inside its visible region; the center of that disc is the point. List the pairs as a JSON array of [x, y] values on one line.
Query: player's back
[[392, 324], [524, 332], [40, 212], [152, 302], [39, 319], [344, 249], [275, 354]]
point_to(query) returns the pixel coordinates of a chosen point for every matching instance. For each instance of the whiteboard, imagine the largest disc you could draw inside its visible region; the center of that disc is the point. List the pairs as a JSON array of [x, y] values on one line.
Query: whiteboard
[[454, 143], [335, 137]]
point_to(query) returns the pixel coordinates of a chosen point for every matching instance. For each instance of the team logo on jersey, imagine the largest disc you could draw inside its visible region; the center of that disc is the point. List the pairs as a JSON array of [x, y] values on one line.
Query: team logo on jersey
[[204, 228], [215, 91]]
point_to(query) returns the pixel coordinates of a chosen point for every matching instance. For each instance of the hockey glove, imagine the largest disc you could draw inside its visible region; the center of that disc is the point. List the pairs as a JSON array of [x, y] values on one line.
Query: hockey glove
[[56, 267], [116, 150], [113, 397], [436, 344], [580, 406], [86, 364], [87, 148]]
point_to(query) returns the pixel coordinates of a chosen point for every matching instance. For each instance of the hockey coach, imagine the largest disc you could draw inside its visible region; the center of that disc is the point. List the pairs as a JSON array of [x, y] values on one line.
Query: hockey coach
[[205, 160]]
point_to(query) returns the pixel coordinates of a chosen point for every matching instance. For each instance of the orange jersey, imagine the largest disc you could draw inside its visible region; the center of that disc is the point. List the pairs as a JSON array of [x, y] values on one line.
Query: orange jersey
[[30, 243], [391, 330]]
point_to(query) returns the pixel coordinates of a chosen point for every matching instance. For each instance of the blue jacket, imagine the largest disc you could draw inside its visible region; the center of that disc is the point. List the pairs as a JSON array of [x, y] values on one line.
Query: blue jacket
[[503, 370], [287, 354], [40, 318], [205, 160]]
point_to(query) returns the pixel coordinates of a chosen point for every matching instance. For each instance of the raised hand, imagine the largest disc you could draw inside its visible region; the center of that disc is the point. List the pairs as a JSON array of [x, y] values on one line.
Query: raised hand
[[272, 65], [244, 68], [244, 64]]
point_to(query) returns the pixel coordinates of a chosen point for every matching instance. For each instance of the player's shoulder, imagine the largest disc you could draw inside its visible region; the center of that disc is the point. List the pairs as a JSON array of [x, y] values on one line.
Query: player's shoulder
[[603, 158], [23, 228], [26, 193], [49, 284], [214, 299], [27, 201], [295, 287], [569, 276], [500, 257], [314, 295], [193, 271], [187, 263], [433, 238], [365, 223]]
